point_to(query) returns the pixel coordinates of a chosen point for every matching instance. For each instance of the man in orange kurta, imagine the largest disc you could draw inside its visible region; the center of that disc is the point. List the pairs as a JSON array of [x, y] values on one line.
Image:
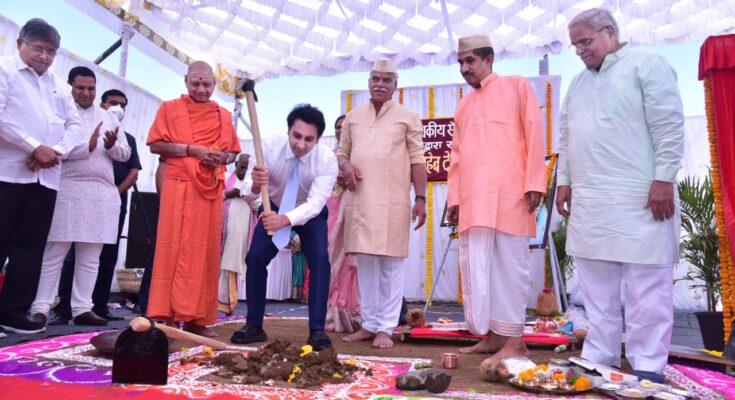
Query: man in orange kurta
[[496, 181], [196, 137]]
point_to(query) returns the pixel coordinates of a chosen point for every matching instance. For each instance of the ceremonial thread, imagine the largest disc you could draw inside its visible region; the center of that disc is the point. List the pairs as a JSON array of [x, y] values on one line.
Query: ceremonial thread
[[727, 269]]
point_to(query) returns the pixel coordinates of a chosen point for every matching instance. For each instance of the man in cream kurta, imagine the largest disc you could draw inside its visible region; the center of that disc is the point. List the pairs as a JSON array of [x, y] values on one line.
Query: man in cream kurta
[[381, 153], [496, 181], [622, 130]]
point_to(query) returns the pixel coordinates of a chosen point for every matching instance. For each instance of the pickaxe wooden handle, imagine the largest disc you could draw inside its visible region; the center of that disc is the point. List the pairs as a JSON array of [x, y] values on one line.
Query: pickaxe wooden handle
[[249, 89], [141, 324]]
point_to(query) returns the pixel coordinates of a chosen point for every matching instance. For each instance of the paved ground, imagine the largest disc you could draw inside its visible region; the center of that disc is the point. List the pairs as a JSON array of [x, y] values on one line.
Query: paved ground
[[686, 329]]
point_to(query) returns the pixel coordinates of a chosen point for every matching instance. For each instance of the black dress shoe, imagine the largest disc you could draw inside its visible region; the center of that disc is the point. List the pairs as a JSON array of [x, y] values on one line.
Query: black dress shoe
[[89, 318], [22, 325], [108, 315], [319, 340], [59, 319], [249, 334], [39, 318]]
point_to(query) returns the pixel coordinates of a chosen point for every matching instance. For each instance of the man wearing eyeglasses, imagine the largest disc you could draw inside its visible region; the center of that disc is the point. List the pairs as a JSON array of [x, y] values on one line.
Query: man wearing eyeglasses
[[621, 145], [39, 125]]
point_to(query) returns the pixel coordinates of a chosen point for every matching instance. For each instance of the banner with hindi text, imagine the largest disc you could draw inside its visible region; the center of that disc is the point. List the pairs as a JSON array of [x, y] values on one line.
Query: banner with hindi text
[[438, 133]]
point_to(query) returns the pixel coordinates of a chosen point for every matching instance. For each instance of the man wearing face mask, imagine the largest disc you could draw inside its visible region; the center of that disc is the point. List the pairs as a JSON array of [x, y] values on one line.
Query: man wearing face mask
[[125, 173], [300, 173], [87, 205]]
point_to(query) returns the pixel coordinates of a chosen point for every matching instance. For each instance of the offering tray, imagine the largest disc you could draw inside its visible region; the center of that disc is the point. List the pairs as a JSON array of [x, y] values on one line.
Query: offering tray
[[543, 390]]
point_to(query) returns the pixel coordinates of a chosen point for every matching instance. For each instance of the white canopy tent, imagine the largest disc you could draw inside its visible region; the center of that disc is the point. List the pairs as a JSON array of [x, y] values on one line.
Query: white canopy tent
[[268, 38]]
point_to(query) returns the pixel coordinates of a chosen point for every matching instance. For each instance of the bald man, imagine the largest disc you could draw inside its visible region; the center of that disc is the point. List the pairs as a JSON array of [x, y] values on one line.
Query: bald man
[[196, 138]]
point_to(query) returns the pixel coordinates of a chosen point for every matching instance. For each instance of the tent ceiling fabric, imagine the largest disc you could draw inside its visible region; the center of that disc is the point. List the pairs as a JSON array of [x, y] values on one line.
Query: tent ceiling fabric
[[268, 38]]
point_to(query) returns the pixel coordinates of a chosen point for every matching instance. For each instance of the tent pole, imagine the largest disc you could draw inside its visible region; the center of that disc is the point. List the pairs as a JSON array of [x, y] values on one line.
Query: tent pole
[[125, 36]]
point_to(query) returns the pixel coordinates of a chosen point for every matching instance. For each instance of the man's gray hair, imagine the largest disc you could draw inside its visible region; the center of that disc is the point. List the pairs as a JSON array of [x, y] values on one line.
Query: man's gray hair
[[38, 29], [597, 19]]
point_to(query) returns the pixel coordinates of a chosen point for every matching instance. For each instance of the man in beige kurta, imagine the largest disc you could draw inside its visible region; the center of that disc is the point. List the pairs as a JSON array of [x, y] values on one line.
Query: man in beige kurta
[[381, 153]]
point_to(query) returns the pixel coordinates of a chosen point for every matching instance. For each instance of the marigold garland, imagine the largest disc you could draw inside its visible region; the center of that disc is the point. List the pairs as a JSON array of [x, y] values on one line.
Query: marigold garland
[[400, 96], [429, 237], [552, 161], [431, 102], [727, 268], [348, 107], [461, 92]]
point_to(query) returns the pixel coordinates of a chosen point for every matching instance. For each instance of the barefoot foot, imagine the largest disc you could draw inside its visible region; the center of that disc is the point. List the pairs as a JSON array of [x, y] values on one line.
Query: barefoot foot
[[514, 346], [491, 344], [382, 341], [359, 336], [199, 330]]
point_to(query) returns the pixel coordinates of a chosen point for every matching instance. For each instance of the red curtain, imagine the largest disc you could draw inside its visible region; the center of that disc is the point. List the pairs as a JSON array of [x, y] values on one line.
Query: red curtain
[[717, 59]]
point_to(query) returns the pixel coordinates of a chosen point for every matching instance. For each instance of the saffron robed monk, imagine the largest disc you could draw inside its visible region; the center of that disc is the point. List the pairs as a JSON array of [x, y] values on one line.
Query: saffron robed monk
[[196, 138]]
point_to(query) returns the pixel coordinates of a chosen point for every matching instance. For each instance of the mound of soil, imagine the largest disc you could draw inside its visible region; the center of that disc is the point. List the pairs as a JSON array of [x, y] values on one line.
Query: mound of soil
[[280, 361]]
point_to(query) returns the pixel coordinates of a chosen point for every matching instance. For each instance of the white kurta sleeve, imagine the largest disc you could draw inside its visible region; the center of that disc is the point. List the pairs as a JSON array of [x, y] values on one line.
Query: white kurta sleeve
[[664, 116]]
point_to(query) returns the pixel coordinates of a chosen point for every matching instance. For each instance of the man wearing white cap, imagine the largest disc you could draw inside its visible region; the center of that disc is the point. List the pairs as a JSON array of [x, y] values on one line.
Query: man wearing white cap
[[496, 181], [381, 153]]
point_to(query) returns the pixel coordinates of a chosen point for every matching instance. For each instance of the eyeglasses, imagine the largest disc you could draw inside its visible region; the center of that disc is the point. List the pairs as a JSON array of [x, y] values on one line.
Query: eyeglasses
[[40, 49], [585, 43]]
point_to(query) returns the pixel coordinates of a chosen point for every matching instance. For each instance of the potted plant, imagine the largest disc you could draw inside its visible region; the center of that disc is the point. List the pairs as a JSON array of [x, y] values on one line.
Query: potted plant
[[700, 247]]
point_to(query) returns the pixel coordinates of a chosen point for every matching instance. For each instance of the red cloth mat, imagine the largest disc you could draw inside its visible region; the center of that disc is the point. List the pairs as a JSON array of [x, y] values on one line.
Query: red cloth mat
[[536, 338]]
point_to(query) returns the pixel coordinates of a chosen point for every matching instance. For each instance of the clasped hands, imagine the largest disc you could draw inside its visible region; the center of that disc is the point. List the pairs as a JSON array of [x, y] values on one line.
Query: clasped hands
[[208, 157]]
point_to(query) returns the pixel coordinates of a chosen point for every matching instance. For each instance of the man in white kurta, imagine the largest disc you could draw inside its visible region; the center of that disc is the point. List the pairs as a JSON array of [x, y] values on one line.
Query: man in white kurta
[[87, 205], [381, 153], [622, 130]]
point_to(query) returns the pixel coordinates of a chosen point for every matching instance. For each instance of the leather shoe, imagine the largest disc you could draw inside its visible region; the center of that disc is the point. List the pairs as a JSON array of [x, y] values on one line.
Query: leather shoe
[[39, 318], [22, 326], [89, 318], [249, 334], [59, 319], [106, 314], [319, 340]]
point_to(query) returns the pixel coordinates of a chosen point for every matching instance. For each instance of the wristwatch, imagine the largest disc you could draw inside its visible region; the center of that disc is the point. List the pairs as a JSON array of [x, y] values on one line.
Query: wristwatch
[[420, 197]]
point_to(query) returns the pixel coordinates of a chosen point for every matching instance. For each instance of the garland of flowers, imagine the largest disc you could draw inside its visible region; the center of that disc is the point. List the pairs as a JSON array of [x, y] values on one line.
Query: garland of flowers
[[552, 161], [400, 96], [727, 269], [429, 215], [348, 107], [429, 237], [461, 92], [460, 296]]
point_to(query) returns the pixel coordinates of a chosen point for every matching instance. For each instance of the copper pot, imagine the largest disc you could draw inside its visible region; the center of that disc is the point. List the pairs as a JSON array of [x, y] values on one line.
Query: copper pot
[[449, 360]]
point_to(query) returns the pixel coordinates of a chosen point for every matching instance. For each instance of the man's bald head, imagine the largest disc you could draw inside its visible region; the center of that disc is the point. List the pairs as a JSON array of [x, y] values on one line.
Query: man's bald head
[[199, 81], [241, 167]]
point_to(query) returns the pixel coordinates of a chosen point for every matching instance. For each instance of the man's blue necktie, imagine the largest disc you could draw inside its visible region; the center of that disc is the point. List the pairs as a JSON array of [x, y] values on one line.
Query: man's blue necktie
[[288, 202]]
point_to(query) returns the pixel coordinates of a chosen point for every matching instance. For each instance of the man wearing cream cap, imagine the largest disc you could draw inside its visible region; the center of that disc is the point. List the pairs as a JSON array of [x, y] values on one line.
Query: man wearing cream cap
[[496, 181], [381, 153]]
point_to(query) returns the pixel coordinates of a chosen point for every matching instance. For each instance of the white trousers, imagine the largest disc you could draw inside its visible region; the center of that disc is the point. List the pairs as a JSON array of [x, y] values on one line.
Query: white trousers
[[87, 262], [649, 312], [380, 279], [496, 278]]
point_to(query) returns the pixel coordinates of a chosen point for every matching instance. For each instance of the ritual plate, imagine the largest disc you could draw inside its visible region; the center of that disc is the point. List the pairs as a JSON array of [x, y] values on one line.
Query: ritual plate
[[542, 390]]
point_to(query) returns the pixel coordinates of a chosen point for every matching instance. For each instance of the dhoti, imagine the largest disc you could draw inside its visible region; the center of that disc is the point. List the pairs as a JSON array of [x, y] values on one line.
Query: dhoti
[[496, 277]]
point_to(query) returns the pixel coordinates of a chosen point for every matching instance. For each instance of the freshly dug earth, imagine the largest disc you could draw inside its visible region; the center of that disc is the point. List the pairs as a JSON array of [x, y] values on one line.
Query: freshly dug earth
[[465, 377], [281, 362]]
